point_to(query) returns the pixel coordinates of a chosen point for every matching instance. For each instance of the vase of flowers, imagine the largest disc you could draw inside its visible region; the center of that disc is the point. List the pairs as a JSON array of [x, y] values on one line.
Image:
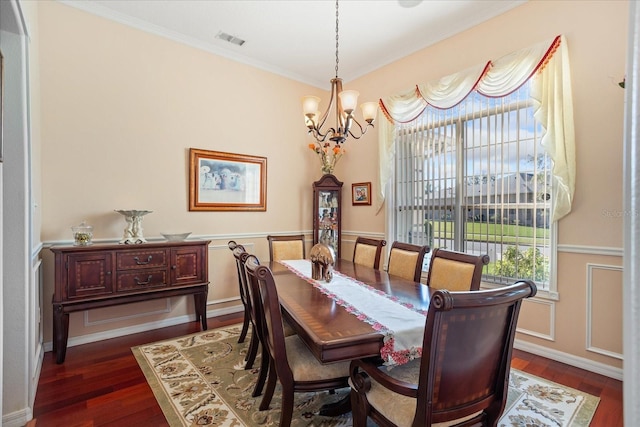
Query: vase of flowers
[[328, 155]]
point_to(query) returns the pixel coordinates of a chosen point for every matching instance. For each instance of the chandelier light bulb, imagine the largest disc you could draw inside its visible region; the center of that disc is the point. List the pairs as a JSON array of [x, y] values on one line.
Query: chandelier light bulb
[[369, 111], [310, 105], [349, 100]]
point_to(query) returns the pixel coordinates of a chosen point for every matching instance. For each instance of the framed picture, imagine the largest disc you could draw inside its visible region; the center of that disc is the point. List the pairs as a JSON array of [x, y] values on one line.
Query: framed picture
[[226, 182], [361, 193]]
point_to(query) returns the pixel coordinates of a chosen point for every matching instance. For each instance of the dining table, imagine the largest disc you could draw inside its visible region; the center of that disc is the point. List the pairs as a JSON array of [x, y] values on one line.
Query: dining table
[[338, 328], [336, 331]]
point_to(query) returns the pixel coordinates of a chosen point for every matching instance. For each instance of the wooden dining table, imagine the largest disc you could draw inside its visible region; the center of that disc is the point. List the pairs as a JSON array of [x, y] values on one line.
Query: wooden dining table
[[331, 332]]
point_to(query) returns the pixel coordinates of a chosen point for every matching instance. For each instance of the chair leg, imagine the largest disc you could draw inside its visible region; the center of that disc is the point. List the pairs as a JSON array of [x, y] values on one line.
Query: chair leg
[[359, 403], [253, 352], [245, 326], [271, 386], [358, 411], [262, 375], [286, 412]]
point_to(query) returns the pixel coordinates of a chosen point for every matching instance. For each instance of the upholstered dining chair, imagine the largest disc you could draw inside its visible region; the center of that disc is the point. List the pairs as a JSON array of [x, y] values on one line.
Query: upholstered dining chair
[[286, 247], [455, 271], [290, 360], [367, 251], [237, 250], [257, 321], [405, 260], [463, 375]]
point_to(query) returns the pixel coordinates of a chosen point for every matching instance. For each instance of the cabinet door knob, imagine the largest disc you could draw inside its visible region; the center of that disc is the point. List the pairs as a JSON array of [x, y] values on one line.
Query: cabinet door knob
[[108, 273], [173, 267]]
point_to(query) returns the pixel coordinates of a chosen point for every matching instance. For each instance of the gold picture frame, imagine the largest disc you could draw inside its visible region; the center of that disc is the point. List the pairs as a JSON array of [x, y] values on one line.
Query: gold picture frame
[[361, 193], [220, 181]]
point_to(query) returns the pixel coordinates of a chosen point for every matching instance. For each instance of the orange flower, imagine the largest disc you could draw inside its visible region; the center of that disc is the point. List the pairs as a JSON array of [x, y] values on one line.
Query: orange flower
[[328, 155]]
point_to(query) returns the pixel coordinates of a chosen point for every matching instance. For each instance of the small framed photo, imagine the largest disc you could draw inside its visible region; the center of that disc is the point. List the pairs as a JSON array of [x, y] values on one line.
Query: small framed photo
[[226, 182], [361, 193]]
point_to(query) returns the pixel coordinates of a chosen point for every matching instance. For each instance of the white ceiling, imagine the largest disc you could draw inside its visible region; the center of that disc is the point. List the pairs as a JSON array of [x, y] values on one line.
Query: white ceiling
[[296, 38]]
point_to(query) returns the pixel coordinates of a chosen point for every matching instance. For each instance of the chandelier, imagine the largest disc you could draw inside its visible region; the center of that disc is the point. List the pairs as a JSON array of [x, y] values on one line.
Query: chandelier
[[343, 102]]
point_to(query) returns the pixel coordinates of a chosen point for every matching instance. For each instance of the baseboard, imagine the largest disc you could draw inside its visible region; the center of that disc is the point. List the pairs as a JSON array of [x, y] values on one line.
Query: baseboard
[[115, 333], [22, 418], [569, 359]]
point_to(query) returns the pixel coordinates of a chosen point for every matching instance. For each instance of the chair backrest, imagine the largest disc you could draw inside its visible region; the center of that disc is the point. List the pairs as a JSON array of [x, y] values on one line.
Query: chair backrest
[[286, 247], [466, 353], [265, 299], [405, 260], [237, 251], [367, 252], [254, 304], [455, 271]]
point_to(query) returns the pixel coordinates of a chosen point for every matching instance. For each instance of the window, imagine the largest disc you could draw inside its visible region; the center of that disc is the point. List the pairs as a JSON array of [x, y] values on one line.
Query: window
[[474, 178], [462, 163]]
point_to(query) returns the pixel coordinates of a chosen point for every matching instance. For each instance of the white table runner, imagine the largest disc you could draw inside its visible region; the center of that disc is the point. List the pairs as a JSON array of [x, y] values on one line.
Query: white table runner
[[402, 325]]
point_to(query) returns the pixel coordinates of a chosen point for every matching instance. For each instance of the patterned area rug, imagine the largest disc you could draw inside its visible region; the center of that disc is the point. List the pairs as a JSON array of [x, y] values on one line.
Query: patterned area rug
[[200, 380]]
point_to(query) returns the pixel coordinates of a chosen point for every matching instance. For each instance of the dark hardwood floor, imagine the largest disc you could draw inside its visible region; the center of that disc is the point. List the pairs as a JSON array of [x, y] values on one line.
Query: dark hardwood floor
[[100, 384]]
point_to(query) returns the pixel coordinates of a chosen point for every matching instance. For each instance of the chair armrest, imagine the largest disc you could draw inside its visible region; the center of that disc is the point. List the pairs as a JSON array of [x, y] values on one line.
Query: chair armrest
[[360, 380]]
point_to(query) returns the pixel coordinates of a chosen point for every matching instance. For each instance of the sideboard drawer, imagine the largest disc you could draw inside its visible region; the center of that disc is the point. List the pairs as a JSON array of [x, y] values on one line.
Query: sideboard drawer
[[139, 280], [141, 259]]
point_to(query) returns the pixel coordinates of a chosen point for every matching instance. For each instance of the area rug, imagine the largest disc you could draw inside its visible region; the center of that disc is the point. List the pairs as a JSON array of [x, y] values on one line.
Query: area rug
[[200, 380]]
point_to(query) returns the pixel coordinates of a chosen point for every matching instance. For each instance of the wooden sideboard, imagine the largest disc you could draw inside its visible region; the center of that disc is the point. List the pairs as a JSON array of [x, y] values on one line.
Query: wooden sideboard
[[103, 275]]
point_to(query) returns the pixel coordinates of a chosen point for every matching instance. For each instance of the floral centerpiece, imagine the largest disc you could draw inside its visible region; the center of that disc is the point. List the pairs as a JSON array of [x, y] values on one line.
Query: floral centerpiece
[[328, 155]]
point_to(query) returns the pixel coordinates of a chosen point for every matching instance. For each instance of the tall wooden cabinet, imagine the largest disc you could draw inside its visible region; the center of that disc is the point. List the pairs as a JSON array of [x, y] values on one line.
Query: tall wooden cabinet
[[327, 212], [96, 276]]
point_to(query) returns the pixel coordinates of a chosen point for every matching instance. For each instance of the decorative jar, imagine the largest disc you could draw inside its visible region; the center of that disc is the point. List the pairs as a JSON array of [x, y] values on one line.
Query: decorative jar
[[82, 234]]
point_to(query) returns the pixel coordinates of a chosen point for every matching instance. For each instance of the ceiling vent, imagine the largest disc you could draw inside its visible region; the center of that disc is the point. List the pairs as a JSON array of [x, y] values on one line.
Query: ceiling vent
[[229, 38]]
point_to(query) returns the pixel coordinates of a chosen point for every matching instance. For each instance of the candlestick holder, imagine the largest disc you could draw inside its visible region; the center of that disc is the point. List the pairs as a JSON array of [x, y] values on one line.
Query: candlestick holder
[[133, 230]]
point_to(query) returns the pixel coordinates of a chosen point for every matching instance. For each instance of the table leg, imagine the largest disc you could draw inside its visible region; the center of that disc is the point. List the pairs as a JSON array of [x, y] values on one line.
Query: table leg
[[200, 300], [60, 332]]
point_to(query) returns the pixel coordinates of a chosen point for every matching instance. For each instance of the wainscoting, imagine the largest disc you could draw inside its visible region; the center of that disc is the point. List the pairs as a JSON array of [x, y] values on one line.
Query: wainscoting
[[581, 325]]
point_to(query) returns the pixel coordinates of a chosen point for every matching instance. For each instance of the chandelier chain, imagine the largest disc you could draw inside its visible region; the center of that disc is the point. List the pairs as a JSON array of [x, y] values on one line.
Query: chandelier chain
[[337, 44]]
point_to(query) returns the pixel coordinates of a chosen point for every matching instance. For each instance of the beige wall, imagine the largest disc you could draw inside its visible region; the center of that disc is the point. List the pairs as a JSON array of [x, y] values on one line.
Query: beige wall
[[120, 109]]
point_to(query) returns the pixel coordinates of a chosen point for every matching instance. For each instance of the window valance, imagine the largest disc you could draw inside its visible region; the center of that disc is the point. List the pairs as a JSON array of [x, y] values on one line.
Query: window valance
[[547, 64]]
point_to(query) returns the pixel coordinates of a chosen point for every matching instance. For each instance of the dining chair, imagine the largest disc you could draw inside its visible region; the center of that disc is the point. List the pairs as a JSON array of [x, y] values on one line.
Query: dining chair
[[367, 251], [257, 320], [241, 255], [237, 250], [455, 271], [290, 360], [405, 260], [286, 247], [462, 377]]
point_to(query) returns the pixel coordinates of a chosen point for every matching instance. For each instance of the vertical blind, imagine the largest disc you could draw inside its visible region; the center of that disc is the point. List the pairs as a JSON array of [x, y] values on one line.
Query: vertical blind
[[474, 178]]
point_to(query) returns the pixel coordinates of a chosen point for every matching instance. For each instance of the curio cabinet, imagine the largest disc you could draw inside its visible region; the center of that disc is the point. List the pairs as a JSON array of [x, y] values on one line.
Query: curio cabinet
[[327, 212]]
